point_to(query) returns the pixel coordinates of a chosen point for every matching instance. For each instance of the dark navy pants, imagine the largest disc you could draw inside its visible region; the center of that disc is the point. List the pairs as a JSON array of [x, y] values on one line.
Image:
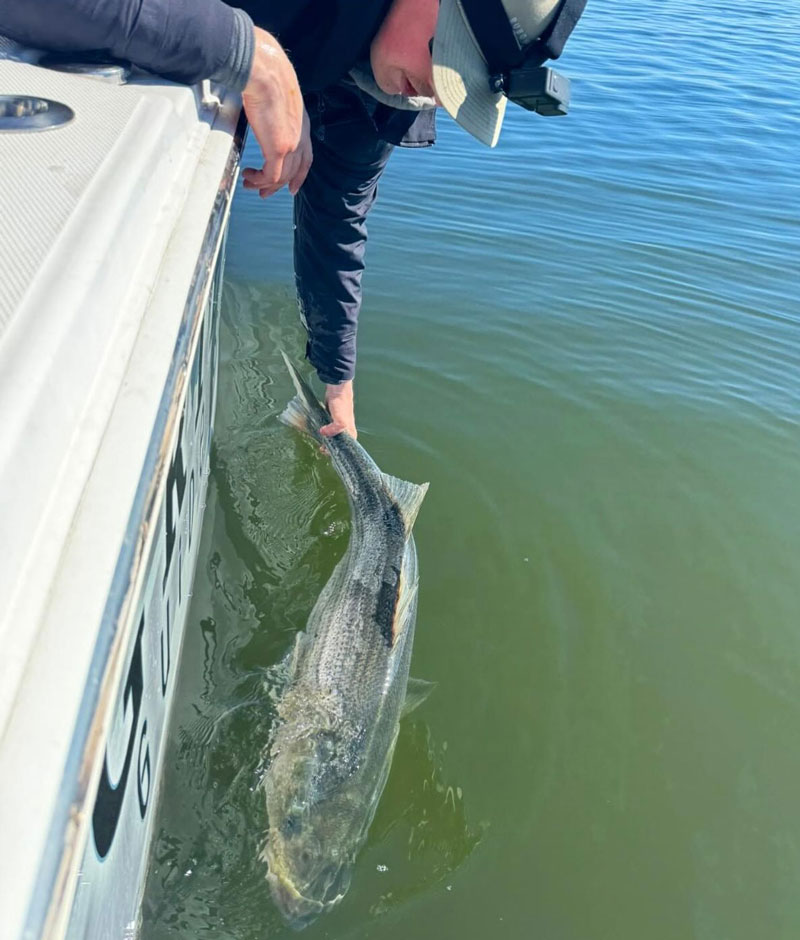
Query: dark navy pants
[[349, 138]]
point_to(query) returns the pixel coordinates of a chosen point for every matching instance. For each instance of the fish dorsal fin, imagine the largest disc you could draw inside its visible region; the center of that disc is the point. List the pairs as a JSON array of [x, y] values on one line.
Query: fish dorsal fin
[[416, 693], [295, 656], [408, 497]]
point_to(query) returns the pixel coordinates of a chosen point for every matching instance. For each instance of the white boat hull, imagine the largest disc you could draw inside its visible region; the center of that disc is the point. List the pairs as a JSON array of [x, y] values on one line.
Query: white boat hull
[[108, 365]]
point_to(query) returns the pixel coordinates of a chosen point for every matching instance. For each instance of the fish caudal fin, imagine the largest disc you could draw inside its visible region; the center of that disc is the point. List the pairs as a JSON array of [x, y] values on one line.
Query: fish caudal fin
[[408, 497], [304, 412]]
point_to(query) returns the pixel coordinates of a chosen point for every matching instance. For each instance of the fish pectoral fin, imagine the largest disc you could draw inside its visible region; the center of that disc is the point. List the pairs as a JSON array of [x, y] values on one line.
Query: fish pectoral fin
[[408, 497], [406, 596], [416, 693], [295, 655]]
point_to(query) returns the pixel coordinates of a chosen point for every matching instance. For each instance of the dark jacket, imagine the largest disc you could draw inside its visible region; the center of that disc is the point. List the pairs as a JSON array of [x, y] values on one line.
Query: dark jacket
[[323, 38], [183, 40], [189, 40], [353, 135]]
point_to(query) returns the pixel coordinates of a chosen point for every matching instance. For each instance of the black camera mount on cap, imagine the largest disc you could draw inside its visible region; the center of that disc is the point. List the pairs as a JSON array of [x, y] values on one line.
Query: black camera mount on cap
[[535, 88], [518, 71]]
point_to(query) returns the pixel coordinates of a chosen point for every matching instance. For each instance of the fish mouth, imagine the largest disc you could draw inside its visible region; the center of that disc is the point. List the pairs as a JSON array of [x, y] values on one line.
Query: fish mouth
[[298, 911]]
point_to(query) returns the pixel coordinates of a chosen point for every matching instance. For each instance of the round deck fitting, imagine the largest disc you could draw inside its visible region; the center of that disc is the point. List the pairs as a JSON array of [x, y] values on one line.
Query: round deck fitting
[[27, 113]]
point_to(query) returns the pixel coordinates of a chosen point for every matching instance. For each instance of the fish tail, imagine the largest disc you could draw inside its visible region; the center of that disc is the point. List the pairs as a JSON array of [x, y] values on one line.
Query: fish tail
[[304, 412]]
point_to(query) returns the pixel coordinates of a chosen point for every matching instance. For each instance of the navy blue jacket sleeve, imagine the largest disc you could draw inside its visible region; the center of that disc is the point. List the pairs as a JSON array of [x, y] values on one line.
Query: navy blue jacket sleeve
[[183, 40], [330, 234]]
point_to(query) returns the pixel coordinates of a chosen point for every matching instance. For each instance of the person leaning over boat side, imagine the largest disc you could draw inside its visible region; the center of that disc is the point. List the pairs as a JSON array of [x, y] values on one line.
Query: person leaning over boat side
[[371, 76]]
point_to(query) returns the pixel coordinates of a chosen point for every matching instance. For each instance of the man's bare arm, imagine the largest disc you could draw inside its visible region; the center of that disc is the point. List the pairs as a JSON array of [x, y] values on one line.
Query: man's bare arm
[[274, 106]]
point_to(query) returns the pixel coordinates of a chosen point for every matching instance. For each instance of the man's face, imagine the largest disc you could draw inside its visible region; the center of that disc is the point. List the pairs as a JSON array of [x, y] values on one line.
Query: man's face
[[400, 52]]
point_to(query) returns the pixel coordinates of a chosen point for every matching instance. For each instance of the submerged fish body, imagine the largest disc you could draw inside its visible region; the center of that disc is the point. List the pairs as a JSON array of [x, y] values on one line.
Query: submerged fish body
[[346, 690]]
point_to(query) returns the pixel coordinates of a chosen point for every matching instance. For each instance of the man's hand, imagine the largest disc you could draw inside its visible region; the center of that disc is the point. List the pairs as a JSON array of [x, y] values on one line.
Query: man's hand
[[339, 399], [274, 107]]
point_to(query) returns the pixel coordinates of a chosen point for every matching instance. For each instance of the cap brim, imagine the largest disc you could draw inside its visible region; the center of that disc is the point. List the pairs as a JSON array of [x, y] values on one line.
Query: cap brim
[[461, 77]]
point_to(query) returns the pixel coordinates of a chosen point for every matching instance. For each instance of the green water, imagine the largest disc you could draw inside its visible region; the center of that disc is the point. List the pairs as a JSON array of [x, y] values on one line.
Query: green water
[[589, 343]]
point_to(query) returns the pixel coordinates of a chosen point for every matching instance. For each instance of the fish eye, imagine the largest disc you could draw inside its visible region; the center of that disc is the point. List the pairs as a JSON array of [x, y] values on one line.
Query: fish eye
[[292, 825]]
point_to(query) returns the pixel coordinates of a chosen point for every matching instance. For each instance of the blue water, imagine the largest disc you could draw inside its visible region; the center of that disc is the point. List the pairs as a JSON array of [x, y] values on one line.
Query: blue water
[[588, 341]]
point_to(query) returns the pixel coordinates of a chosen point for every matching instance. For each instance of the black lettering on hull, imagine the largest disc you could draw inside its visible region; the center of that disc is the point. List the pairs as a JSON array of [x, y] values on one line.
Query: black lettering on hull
[[108, 805]]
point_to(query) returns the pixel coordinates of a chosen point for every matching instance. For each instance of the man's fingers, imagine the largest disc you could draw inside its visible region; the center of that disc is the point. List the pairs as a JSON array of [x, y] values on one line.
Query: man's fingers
[[297, 181], [257, 181], [272, 174], [288, 169], [336, 427], [294, 178], [294, 172], [299, 178], [287, 160], [264, 186], [305, 157]]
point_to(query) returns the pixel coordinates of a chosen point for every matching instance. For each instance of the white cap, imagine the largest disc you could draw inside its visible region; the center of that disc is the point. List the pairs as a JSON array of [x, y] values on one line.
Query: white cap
[[460, 73]]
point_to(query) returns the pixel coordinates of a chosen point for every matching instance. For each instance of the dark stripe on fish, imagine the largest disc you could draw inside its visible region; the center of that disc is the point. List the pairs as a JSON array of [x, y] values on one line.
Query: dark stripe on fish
[[394, 525], [386, 604], [373, 500]]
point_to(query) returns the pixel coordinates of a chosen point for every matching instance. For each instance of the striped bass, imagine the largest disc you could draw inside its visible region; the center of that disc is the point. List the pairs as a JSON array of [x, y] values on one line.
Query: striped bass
[[347, 685]]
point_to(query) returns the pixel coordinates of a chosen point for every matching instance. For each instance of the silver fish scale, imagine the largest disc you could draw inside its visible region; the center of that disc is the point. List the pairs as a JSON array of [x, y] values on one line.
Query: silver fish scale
[[343, 670], [348, 663], [349, 633]]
